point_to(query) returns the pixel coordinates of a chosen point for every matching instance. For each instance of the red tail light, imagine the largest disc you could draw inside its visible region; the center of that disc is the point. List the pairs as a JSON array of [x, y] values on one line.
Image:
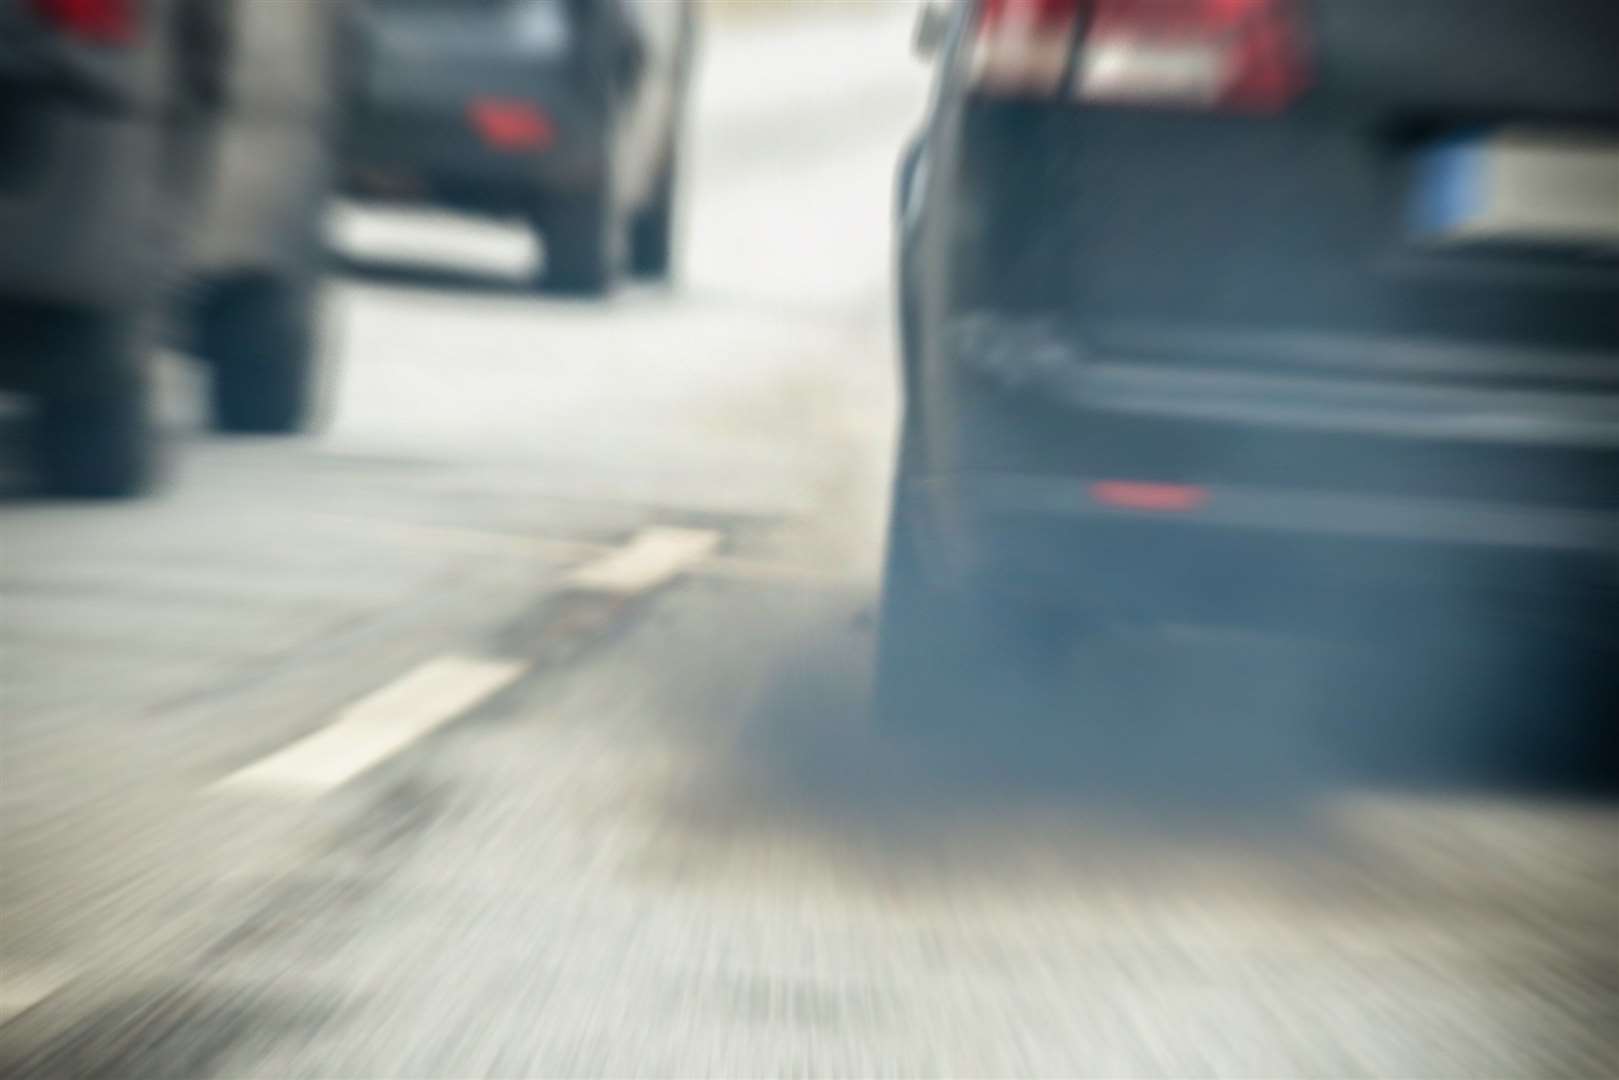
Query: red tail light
[[100, 22], [1154, 498], [1233, 54], [1025, 46], [511, 125]]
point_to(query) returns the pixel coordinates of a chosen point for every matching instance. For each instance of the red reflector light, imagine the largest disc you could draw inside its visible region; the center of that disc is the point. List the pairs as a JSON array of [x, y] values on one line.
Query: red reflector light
[[511, 125], [100, 22], [1158, 498]]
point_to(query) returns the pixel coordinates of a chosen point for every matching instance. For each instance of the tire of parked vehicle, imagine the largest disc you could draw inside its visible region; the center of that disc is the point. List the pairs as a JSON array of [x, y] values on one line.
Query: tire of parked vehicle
[[93, 433], [258, 336], [652, 232], [582, 239]]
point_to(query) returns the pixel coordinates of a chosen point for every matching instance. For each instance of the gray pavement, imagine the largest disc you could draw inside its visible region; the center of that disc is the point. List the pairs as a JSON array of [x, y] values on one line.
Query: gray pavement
[[672, 844]]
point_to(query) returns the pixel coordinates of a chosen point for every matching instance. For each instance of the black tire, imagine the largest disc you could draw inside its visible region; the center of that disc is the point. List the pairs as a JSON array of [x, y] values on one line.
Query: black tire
[[582, 238], [652, 233], [259, 338], [93, 433]]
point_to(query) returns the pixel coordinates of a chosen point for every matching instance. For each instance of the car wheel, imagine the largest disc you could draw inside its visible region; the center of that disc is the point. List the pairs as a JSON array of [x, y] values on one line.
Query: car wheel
[[93, 433], [582, 242], [259, 338], [652, 232]]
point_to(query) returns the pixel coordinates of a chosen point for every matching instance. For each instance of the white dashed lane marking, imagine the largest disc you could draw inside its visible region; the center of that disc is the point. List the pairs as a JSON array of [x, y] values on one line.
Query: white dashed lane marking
[[378, 726], [21, 990], [652, 558], [387, 720]]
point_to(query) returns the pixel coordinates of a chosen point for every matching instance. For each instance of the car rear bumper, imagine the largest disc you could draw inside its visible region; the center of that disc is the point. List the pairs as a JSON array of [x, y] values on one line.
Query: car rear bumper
[[1362, 385], [1244, 556], [434, 154], [1305, 471], [80, 211]]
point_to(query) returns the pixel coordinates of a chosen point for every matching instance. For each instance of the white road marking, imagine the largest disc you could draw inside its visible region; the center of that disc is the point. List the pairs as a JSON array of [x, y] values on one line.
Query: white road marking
[[377, 726], [387, 720], [22, 990], [557, 549], [653, 557]]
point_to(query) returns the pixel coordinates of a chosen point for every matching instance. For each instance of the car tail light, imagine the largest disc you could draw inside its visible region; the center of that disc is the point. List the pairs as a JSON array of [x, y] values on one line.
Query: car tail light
[[1243, 55], [1149, 497], [511, 125], [100, 22], [1025, 46]]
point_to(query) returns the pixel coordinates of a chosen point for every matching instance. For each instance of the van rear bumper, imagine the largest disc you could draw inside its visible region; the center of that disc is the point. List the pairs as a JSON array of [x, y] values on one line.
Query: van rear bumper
[[1442, 423], [83, 219], [433, 155], [1249, 555], [1310, 467]]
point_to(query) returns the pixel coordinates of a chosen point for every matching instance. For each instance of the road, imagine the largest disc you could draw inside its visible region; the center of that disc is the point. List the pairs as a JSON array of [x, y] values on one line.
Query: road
[[515, 725]]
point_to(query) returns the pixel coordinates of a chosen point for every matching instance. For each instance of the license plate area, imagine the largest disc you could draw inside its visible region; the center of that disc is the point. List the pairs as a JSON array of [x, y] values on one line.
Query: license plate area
[[1516, 187]]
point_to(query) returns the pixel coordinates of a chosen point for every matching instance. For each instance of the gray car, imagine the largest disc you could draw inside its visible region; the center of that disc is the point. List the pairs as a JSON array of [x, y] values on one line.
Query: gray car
[[563, 113], [162, 168]]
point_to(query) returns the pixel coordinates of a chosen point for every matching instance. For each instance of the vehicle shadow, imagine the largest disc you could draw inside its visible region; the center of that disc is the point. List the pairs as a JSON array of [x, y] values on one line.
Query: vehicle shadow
[[463, 281], [431, 277]]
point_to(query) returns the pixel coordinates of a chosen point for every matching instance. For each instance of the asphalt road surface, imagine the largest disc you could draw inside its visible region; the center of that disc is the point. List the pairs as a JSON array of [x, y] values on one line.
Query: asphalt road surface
[[515, 726]]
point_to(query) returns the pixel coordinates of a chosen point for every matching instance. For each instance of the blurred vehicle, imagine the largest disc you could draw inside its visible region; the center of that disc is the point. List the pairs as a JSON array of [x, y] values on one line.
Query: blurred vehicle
[[103, 113], [109, 113], [253, 315], [566, 113], [1214, 310]]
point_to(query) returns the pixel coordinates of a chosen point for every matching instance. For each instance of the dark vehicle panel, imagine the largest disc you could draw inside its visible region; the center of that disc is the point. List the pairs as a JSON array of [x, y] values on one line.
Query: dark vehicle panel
[[1206, 304], [1131, 215], [1113, 254], [431, 67], [76, 110], [1516, 58]]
